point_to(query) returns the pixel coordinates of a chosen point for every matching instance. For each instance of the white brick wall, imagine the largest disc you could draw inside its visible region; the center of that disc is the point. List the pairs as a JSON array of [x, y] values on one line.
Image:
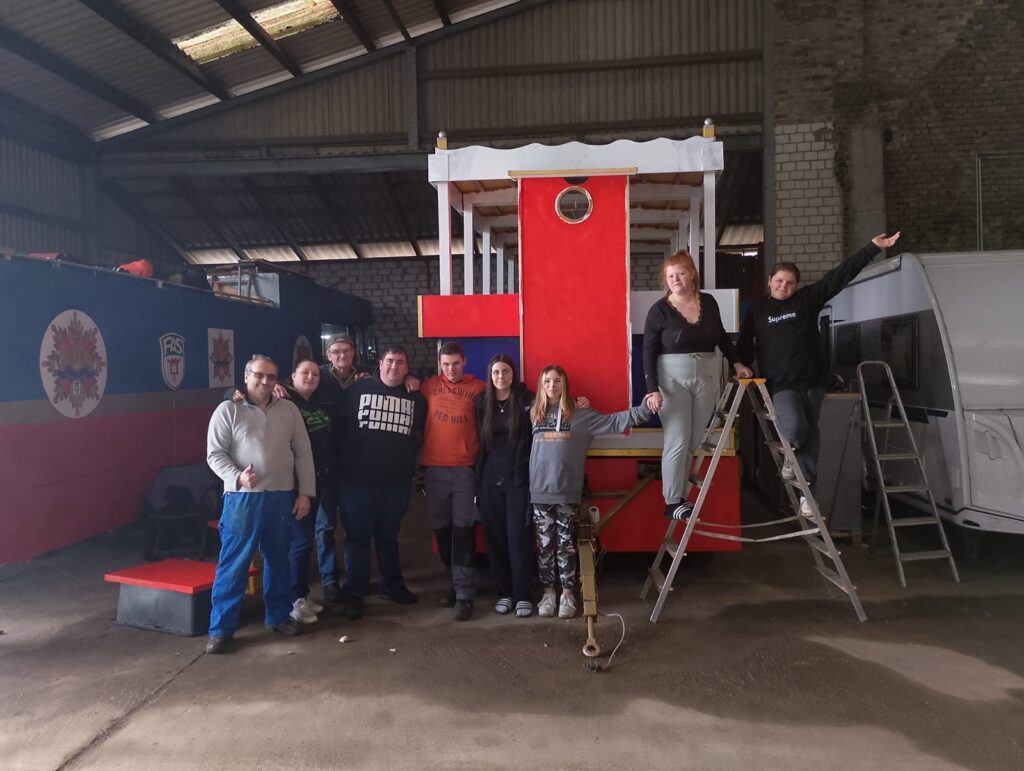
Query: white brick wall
[[808, 198]]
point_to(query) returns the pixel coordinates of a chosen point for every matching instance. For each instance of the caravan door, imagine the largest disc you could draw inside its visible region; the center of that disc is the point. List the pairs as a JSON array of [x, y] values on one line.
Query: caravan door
[[996, 464]]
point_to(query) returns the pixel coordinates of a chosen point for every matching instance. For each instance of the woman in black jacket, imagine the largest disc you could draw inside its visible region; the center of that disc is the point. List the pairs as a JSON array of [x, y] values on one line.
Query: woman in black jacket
[[503, 484]]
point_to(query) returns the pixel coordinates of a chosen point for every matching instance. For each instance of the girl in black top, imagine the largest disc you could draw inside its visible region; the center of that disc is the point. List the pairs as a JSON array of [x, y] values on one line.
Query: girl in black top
[[680, 336], [503, 483], [781, 330]]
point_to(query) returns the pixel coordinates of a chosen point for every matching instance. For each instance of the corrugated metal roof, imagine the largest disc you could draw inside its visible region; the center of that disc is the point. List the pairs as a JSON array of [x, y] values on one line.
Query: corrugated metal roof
[[329, 252], [39, 180], [176, 18]]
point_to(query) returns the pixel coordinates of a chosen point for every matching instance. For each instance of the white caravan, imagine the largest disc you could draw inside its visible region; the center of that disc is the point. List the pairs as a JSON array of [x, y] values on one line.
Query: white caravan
[[951, 327]]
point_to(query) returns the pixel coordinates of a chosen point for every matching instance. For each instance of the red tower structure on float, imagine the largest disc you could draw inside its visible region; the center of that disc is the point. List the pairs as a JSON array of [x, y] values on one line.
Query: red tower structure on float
[[560, 221]]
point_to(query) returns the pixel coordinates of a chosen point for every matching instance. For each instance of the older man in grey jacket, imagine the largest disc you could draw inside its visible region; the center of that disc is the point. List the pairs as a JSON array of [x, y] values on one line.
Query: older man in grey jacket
[[259, 447]]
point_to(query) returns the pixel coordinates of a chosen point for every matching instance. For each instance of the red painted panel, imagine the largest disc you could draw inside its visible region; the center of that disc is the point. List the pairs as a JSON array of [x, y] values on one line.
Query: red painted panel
[[67, 480], [575, 287], [174, 575], [640, 526], [477, 315]]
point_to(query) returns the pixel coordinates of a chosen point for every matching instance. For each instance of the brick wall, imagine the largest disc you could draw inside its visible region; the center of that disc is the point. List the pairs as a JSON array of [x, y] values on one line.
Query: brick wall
[[942, 80]]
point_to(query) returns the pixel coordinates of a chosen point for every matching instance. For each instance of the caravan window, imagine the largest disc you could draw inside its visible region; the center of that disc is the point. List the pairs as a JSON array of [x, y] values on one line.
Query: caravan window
[[847, 353], [900, 348]]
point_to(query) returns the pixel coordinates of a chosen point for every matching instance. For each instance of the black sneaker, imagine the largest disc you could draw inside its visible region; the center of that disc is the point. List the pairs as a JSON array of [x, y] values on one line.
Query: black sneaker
[[463, 610], [448, 601], [403, 596], [217, 645], [333, 594], [289, 628], [679, 511], [354, 607]]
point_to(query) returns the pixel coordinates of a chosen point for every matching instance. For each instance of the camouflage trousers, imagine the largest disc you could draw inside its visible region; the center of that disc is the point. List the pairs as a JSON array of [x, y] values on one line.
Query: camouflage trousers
[[554, 526]]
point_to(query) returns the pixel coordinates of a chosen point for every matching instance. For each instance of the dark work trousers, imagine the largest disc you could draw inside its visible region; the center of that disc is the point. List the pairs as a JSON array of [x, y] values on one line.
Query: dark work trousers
[[452, 511], [797, 415], [300, 547], [326, 516], [373, 512], [505, 514]]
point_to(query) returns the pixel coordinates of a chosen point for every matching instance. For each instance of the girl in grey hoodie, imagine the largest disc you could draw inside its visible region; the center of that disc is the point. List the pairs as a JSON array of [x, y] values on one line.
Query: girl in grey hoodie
[[561, 435]]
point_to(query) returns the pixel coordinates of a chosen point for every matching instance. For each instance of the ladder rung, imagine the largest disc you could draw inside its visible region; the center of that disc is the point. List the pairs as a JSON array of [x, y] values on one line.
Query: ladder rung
[[886, 423], [776, 446], [818, 544], [697, 480], [794, 482], [889, 489], [671, 547], [898, 456], [917, 556], [657, 578], [762, 414], [833, 576], [914, 521], [709, 447]]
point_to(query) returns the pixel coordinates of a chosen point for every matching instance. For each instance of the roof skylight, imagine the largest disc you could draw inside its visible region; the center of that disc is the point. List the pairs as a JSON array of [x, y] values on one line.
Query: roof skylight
[[281, 20]]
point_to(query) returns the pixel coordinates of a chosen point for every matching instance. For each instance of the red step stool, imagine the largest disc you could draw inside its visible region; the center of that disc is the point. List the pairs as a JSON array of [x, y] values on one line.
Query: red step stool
[[169, 596]]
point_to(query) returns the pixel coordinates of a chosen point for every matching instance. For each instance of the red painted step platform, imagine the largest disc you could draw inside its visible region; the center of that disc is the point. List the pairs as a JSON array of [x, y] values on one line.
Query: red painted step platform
[[172, 595]]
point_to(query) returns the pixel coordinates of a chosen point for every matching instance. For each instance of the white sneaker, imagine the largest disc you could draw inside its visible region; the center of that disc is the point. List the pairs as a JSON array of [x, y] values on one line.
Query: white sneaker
[[788, 471], [546, 606], [313, 605], [567, 606], [805, 508], [302, 613]]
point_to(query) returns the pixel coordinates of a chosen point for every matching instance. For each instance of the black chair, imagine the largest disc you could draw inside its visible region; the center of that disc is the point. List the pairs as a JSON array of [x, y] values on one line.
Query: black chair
[[176, 509]]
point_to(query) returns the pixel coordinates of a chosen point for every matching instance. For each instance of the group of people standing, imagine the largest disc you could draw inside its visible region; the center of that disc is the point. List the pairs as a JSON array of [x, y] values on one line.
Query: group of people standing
[[339, 442]]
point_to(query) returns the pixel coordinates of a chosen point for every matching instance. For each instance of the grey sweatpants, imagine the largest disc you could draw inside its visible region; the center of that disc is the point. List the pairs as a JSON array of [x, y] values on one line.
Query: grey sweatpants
[[452, 510], [798, 412], [689, 384]]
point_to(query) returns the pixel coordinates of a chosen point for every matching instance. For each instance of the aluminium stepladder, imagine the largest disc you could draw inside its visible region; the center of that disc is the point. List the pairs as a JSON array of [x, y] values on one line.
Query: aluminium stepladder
[[812, 527], [882, 454]]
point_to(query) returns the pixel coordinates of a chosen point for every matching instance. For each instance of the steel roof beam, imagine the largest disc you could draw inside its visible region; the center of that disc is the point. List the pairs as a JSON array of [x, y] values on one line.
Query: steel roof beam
[[275, 223], [30, 125], [397, 19], [349, 15], [156, 44], [128, 203], [400, 211], [325, 198], [250, 25], [209, 222], [442, 13], [129, 168], [34, 53]]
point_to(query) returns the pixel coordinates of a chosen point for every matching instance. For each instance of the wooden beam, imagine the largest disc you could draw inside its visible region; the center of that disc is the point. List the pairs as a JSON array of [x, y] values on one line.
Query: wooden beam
[[34, 53], [250, 25], [156, 44], [351, 18]]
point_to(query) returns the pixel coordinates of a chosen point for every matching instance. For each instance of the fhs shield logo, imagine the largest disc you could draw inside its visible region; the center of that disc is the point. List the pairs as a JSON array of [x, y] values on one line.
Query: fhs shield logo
[[73, 364], [172, 359]]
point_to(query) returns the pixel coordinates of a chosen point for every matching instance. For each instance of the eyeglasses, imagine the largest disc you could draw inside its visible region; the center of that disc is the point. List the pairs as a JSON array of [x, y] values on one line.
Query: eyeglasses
[[270, 377]]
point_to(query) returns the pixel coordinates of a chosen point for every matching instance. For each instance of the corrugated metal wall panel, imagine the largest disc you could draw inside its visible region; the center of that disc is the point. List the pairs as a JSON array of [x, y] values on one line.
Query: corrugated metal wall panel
[[24, 236], [367, 101], [598, 31], [89, 42], [50, 93], [39, 181]]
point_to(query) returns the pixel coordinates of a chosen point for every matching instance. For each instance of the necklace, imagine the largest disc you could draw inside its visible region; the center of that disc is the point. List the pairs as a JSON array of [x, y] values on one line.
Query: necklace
[[502, 406]]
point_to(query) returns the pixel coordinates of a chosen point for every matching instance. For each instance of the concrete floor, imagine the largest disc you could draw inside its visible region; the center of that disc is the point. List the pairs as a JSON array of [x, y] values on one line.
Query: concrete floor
[[752, 666]]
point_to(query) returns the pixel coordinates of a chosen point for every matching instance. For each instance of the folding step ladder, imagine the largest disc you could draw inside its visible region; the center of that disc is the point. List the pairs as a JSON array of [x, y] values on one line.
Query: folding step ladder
[[812, 526], [886, 455]]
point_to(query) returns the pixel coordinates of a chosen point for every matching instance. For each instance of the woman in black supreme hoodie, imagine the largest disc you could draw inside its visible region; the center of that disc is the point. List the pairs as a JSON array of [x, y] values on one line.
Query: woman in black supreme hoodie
[[782, 330]]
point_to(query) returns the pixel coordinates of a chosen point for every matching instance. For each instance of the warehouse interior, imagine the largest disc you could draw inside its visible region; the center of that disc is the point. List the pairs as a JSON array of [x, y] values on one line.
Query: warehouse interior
[[223, 137]]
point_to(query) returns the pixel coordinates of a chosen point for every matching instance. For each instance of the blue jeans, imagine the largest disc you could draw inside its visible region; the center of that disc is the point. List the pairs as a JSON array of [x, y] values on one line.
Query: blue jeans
[[299, 548], [326, 521], [373, 511], [797, 412], [248, 521]]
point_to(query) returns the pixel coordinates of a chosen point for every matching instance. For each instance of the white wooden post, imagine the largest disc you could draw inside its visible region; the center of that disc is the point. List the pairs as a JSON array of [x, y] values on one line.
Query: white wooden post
[[485, 276], [444, 237], [468, 237], [709, 229], [693, 227], [500, 260]]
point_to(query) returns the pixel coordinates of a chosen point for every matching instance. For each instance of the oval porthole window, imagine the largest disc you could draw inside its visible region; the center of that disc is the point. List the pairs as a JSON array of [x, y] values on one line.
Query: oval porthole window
[[574, 205]]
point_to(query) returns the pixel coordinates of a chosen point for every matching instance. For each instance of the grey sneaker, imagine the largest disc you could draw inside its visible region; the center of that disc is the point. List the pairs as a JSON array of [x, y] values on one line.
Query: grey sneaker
[[567, 606], [546, 606], [302, 613], [787, 470]]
